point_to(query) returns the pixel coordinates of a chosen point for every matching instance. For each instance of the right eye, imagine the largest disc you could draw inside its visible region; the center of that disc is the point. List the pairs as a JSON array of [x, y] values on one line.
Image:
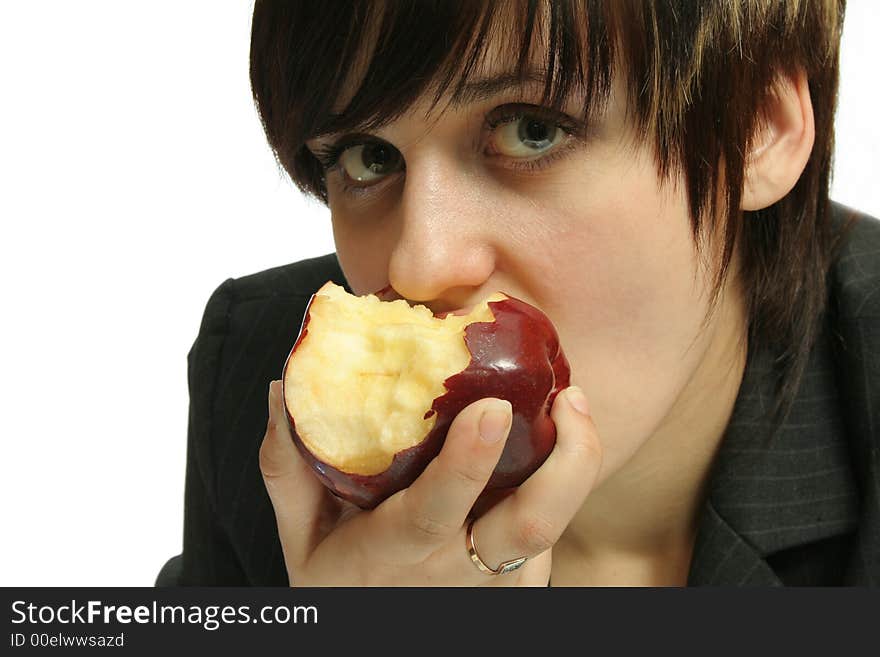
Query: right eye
[[370, 162]]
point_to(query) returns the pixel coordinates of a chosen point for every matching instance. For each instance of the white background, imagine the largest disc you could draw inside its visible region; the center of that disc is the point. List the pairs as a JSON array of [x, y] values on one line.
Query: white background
[[134, 178]]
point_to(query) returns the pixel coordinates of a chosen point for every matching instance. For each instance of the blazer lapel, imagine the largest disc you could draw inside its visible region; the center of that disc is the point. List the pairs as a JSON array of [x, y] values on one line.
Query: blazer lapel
[[772, 493], [723, 557]]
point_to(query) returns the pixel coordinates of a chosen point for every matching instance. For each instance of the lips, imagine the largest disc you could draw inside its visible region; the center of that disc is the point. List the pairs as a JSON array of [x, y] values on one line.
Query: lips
[[387, 292], [457, 313]]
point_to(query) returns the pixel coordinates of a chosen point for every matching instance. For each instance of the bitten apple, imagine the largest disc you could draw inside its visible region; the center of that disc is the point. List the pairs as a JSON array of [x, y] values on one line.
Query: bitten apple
[[371, 387]]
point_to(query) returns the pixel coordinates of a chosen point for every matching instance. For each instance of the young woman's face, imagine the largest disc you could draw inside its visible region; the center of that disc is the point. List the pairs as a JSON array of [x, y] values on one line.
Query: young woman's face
[[500, 194]]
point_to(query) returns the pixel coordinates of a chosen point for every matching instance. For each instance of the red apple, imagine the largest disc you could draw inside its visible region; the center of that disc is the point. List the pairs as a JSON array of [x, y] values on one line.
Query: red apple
[[371, 387]]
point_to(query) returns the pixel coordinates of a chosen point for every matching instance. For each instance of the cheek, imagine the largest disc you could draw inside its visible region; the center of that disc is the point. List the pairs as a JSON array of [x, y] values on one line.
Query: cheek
[[621, 249], [363, 249], [641, 272], [623, 283]]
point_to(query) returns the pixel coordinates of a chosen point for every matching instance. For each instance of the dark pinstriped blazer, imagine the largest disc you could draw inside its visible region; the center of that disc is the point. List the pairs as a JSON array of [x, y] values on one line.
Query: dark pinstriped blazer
[[806, 511]]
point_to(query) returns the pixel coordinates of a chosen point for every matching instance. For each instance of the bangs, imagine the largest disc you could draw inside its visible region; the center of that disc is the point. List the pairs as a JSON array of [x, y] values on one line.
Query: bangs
[[369, 64]]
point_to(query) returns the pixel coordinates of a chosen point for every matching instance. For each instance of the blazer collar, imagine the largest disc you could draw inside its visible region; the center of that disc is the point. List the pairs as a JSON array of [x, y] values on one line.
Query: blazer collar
[[765, 497]]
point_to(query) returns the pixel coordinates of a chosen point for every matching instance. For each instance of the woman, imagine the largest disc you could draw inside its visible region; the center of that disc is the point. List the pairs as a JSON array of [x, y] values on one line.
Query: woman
[[654, 177]]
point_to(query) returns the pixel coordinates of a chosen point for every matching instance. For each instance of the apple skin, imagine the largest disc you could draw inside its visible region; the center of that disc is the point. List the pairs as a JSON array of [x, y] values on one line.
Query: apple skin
[[518, 358]]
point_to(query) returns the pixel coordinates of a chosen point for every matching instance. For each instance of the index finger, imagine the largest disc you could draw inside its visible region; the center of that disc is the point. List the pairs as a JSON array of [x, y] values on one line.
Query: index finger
[[433, 509], [296, 494]]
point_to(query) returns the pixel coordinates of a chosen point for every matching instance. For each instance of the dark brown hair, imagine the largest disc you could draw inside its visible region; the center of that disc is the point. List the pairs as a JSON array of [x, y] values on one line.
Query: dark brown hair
[[698, 74]]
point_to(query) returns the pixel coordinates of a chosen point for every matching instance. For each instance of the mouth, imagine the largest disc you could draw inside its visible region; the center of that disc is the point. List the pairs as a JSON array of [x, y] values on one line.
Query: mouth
[[388, 294], [457, 313], [384, 292]]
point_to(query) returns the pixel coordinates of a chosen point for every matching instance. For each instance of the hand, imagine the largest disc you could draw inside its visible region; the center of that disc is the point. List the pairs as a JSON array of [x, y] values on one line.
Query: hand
[[416, 537]]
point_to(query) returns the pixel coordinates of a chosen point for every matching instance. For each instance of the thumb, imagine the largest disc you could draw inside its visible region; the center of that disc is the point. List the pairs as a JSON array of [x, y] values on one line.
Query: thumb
[[297, 495]]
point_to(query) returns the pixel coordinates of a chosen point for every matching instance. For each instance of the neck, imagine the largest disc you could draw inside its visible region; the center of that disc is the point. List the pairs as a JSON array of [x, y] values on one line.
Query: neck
[[650, 506]]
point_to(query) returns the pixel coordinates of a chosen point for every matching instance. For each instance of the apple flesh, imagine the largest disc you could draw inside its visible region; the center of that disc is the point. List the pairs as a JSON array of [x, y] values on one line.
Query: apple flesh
[[371, 387]]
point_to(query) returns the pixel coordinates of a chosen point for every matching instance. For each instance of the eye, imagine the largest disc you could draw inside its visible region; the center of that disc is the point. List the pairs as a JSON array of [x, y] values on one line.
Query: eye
[[367, 163], [527, 136]]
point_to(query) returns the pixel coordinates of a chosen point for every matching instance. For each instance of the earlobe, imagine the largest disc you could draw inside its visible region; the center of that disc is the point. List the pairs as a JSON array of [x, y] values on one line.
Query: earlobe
[[782, 148]]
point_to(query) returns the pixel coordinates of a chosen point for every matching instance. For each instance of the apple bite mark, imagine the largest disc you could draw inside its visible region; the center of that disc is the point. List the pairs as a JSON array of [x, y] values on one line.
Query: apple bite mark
[[367, 374], [371, 387]]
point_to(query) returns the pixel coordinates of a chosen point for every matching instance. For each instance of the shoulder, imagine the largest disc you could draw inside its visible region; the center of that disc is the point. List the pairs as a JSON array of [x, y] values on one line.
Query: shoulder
[[854, 313], [255, 304], [855, 272], [251, 321], [300, 278], [248, 327], [253, 318], [854, 319]]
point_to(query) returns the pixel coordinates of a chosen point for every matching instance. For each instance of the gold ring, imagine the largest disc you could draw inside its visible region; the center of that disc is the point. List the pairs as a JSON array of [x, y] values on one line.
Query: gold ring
[[504, 567]]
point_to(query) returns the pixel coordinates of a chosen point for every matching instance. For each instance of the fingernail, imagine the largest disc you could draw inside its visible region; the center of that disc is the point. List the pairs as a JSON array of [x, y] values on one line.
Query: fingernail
[[578, 401], [272, 399], [495, 421]]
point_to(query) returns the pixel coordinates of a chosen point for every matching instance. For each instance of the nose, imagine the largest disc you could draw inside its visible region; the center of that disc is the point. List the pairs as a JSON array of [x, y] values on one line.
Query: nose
[[444, 254]]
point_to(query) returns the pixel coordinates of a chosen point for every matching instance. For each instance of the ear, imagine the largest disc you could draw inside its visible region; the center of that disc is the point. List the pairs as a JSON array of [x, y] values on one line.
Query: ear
[[781, 150]]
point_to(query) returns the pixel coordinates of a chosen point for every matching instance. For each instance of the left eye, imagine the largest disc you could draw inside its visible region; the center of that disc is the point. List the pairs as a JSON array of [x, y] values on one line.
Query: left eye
[[527, 136]]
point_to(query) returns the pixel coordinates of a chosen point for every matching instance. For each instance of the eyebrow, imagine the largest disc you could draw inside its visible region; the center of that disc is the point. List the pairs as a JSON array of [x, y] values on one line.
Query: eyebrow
[[485, 88], [476, 91]]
